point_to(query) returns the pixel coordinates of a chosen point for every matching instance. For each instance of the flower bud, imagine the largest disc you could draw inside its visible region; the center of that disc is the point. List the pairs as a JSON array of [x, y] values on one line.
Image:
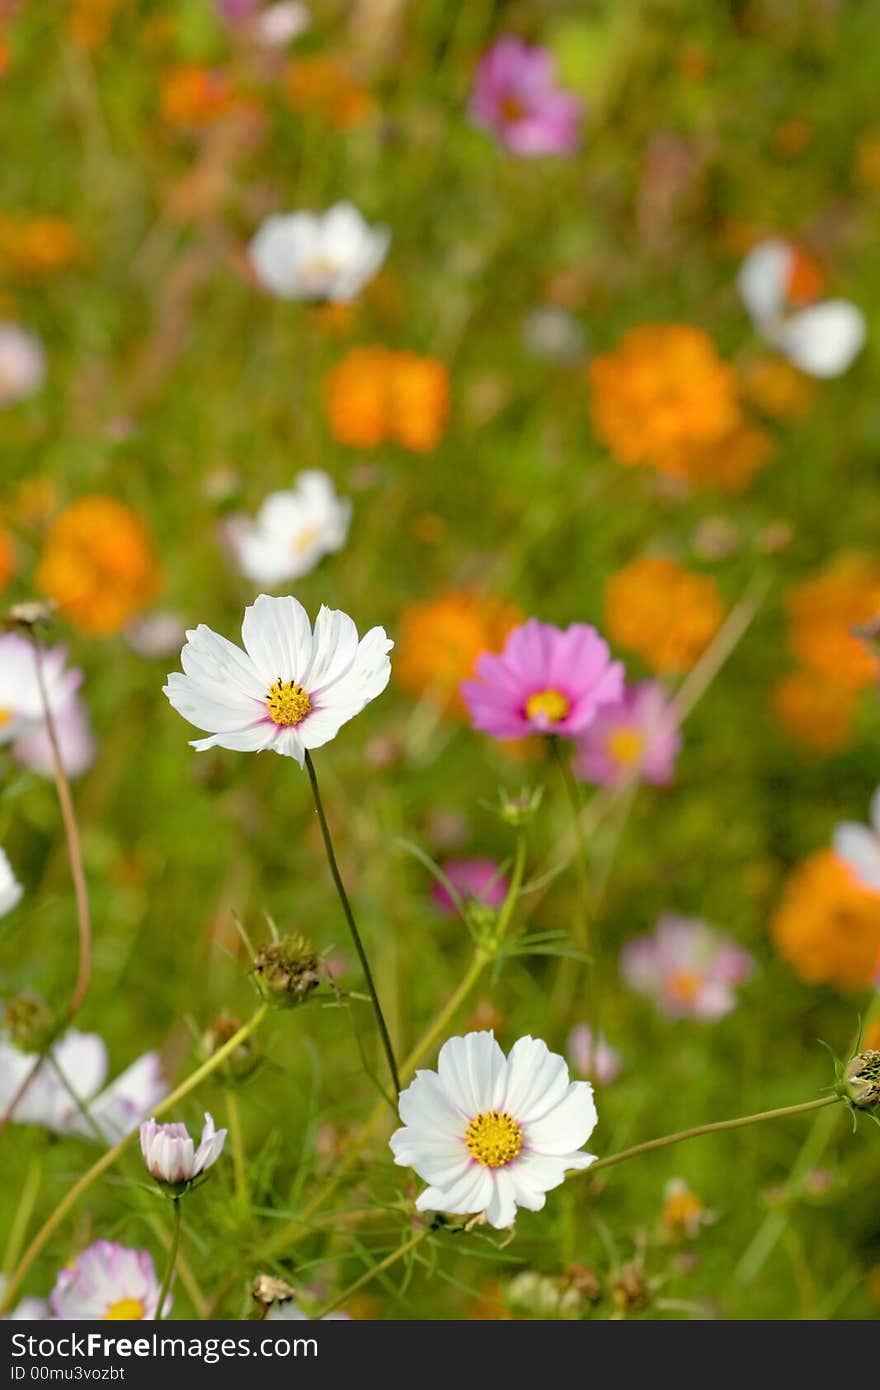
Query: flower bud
[[287, 971], [29, 1022], [242, 1060], [861, 1081], [517, 810], [630, 1290], [267, 1290], [173, 1159]]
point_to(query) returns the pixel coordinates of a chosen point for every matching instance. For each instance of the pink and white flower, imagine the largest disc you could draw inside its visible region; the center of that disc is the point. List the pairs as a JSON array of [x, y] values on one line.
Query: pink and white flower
[[108, 1282], [99, 1111], [171, 1155], [474, 880], [515, 96], [859, 847], [546, 681], [76, 742], [688, 968], [290, 690], [491, 1133], [637, 734], [821, 339], [329, 255], [292, 530], [22, 364], [598, 1061]]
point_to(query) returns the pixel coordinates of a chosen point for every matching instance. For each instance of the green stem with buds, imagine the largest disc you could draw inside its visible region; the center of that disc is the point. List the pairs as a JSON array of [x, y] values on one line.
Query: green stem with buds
[[352, 927]]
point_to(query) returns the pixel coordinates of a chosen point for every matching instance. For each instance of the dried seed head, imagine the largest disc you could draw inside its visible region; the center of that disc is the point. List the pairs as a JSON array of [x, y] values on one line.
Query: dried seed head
[[29, 1022], [861, 1080], [287, 971]]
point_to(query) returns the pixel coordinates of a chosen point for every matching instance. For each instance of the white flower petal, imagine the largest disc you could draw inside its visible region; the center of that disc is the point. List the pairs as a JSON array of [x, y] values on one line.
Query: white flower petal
[[278, 638], [567, 1125], [472, 1072], [859, 848], [425, 1103], [537, 1079], [501, 1208], [824, 339], [763, 278]]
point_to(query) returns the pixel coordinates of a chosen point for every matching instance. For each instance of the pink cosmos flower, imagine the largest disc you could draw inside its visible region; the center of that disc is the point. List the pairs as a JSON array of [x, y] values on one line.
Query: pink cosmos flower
[[107, 1281], [638, 732], [475, 880], [599, 1061], [171, 1155], [688, 968], [546, 681], [515, 96], [76, 742]]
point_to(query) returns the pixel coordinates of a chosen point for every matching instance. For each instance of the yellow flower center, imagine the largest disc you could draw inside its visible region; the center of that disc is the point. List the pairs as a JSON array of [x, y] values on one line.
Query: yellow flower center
[[127, 1309], [287, 702], [626, 746], [5, 717], [493, 1138], [550, 705], [304, 539], [685, 985]]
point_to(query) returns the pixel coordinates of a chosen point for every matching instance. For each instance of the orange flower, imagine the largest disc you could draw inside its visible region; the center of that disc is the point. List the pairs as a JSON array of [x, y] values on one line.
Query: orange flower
[[195, 96], [98, 564], [662, 395], [7, 559], [375, 394], [324, 84], [826, 926], [822, 613], [34, 248], [664, 613], [777, 389], [815, 712], [441, 640], [91, 22], [732, 463]]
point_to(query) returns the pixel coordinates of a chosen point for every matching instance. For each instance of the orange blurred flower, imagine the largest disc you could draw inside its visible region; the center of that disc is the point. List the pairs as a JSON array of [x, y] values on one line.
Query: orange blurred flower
[[194, 96], [777, 389], [34, 248], [323, 83], [375, 394], [98, 564], [91, 21], [663, 612], [814, 712], [662, 396], [732, 463], [8, 563], [826, 926], [822, 613], [441, 640]]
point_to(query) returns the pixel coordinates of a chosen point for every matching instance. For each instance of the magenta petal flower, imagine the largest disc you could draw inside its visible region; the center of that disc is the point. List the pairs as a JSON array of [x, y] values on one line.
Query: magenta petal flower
[[546, 681], [688, 968], [515, 96], [639, 730], [477, 880]]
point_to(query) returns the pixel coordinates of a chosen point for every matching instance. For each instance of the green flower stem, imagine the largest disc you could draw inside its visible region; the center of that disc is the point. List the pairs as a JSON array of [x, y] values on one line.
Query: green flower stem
[[371, 1273], [100, 1166], [172, 1260], [583, 934], [740, 1122], [352, 927], [24, 1210]]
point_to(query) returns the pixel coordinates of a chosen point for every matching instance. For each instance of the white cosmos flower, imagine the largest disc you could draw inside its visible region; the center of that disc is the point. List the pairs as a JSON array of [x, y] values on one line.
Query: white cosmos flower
[[292, 531], [171, 1155], [490, 1133], [821, 340], [308, 255], [859, 847], [11, 890], [290, 690], [81, 1058]]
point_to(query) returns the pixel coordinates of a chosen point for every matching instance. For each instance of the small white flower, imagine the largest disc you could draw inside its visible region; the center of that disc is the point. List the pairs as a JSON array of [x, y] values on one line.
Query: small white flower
[[490, 1133], [307, 255], [107, 1282], [81, 1058], [22, 363], [290, 690], [292, 531], [821, 340], [21, 704], [170, 1154], [279, 24], [859, 847], [11, 890]]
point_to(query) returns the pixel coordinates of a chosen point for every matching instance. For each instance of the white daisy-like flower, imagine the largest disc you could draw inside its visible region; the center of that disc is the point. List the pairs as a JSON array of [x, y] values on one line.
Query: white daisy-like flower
[[327, 255], [491, 1133], [81, 1058], [292, 530], [11, 891], [290, 690], [171, 1155], [859, 847], [822, 339], [108, 1281]]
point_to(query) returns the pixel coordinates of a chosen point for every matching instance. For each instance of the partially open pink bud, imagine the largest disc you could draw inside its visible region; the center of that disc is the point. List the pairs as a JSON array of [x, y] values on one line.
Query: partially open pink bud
[[171, 1155]]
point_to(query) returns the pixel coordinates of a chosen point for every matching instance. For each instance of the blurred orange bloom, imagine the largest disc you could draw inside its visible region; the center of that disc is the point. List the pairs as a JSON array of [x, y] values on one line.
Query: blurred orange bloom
[[822, 613], [324, 84], [98, 564], [826, 926], [814, 712], [663, 395], [7, 559], [664, 613], [777, 389], [441, 640], [732, 463], [33, 248], [195, 96], [91, 21], [375, 394]]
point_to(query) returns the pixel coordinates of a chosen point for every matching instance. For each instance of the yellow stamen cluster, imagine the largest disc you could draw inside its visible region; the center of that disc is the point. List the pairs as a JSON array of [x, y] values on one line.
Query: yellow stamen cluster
[[626, 745], [493, 1138], [287, 702], [126, 1310], [550, 705]]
